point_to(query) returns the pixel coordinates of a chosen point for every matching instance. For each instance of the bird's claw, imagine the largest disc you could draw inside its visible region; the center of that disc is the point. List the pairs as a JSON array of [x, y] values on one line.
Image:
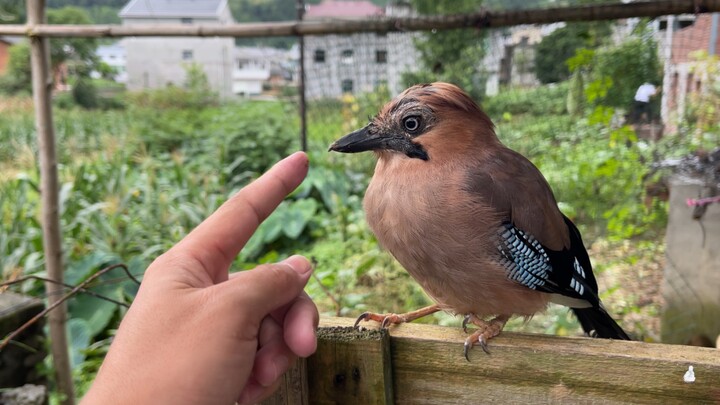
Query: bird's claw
[[362, 317], [483, 343], [476, 338], [486, 331], [385, 320], [465, 323]]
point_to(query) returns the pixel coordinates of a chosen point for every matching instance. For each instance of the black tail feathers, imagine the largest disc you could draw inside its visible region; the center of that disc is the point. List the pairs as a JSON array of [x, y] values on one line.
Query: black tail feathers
[[596, 322]]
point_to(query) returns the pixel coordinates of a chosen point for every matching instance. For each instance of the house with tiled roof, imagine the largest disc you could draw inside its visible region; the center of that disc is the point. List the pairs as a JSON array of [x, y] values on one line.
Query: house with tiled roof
[[155, 62], [355, 63]]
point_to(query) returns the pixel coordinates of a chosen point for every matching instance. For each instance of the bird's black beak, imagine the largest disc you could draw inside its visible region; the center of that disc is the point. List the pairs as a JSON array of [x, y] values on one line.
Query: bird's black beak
[[359, 141], [369, 138]]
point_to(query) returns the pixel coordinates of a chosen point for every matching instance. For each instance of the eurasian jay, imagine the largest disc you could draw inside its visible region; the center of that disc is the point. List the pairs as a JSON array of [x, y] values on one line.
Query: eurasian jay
[[474, 222]]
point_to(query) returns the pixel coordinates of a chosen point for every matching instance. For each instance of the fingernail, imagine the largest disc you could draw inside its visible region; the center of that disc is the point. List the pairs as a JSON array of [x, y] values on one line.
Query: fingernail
[[298, 263]]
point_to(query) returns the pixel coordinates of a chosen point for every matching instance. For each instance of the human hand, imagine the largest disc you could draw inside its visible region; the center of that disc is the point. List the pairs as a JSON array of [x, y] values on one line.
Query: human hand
[[194, 335]]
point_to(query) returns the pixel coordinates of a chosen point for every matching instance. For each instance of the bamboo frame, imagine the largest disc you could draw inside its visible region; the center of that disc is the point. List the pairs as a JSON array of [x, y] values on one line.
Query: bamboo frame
[[50, 205], [483, 19]]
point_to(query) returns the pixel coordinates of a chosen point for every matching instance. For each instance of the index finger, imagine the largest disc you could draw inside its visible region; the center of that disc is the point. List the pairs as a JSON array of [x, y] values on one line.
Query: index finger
[[218, 239]]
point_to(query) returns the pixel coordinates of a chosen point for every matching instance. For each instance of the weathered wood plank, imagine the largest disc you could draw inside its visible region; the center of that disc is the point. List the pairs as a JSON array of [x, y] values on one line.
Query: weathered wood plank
[[428, 367], [293, 388], [350, 367]]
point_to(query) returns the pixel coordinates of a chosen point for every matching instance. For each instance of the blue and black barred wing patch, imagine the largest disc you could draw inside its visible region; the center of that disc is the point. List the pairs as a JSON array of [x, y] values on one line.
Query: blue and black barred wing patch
[[531, 264], [524, 257]]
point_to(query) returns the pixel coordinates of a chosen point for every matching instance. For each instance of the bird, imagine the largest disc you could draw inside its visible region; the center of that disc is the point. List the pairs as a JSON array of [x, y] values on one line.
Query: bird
[[474, 222]]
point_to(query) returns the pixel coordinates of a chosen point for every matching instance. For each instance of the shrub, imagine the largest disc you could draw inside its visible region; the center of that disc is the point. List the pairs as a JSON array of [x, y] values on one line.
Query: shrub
[[543, 100], [85, 94]]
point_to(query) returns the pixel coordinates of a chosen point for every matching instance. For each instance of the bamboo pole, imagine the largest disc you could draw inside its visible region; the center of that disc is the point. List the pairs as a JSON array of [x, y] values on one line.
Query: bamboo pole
[[52, 244], [483, 19], [301, 82]]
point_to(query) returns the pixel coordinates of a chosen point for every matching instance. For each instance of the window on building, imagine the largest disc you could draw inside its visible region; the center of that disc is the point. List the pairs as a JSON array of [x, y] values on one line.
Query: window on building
[[346, 56], [347, 86], [381, 56], [186, 20], [319, 56], [187, 54]]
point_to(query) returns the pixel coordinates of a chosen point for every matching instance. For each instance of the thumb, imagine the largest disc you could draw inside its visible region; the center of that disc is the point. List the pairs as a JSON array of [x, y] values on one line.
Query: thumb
[[269, 286]]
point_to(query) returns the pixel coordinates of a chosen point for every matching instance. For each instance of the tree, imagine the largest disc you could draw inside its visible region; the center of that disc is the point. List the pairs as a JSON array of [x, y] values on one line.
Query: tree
[[452, 55], [18, 77], [12, 12], [85, 94], [77, 52], [556, 48], [627, 66]]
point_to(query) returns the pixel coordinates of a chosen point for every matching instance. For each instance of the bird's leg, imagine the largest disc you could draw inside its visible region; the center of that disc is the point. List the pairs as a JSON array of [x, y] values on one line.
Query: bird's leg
[[486, 331], [387, 319]]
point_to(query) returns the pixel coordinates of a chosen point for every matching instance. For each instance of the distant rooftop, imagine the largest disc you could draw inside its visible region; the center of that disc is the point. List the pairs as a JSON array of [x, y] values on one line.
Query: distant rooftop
[[343, 9], [172, 8], [11, 39]]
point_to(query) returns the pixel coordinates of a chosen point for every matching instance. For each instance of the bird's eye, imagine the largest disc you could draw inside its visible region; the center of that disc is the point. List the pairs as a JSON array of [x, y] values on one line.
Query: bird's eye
[[412, 123]]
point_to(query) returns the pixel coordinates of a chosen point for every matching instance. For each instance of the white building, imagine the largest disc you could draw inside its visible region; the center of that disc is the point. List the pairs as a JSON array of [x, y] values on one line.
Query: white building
[[509, 58], [356, 63], [114, 56], [155, 62]]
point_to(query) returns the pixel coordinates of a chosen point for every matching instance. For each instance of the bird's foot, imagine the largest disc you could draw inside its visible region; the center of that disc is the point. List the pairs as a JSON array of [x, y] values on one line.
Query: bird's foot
[[396, 319], [486, 331], [384, 319]]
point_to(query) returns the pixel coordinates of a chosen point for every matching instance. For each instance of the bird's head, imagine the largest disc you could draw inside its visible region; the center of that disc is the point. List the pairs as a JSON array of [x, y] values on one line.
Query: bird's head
[[424, 121]]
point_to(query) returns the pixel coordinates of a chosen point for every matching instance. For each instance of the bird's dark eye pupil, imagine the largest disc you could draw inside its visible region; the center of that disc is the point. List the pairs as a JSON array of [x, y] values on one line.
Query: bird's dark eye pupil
[[411, 123]]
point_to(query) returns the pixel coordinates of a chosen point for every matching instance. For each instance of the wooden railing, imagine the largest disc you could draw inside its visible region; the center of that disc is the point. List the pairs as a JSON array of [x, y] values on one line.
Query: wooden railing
[[424, 364]]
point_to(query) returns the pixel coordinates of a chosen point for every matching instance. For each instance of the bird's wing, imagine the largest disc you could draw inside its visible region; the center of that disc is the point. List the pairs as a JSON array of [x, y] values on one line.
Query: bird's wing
[[566, 274], [540, 247]]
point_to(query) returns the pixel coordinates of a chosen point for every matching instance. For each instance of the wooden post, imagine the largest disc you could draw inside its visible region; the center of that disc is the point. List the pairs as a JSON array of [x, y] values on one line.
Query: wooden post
[[351, 367], [52, 243], [293, 388]]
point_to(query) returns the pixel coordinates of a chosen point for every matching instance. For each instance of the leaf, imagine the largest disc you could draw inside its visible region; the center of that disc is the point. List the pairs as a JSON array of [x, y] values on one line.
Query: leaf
[[272, 228], [79, 339], [298, 215], [365, 266], [80, 270], [64, 195], [96, 312]]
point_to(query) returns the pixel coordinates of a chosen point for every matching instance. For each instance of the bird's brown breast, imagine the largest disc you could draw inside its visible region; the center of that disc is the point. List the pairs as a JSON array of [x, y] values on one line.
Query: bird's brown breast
[[443, 236]]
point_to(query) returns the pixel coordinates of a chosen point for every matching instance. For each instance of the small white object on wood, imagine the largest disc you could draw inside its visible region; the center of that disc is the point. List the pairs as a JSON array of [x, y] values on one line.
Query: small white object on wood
[[689, 376]]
